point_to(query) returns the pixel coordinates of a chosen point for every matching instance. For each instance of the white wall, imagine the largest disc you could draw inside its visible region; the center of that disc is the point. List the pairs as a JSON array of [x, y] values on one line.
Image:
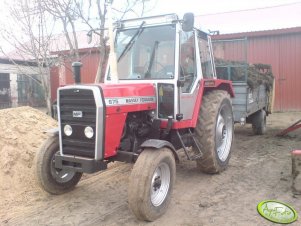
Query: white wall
[[14, 89], [18, 69]]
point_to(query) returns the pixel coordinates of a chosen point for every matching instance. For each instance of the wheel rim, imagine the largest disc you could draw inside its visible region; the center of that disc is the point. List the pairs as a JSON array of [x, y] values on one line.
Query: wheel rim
[[60, 175], [160, 184], [224, 132]]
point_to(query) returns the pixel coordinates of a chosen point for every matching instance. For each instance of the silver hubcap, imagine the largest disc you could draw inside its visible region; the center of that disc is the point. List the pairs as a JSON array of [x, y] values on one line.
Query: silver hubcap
[[160, 184], [224, 132], [60, 175]]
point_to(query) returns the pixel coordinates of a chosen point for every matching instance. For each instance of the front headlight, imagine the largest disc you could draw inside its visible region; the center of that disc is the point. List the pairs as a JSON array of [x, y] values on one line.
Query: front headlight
[[68, 130], [89, 132]]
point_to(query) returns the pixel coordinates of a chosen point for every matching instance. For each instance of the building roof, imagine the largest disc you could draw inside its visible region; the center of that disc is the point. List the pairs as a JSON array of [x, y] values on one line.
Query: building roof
[[58, 44], [18, 67], [274, 32], [4, 60], [83, 50]]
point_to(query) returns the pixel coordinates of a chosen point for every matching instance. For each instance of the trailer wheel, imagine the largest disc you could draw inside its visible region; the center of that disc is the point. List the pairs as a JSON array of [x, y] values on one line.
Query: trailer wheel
[[259, 122], [151, 183], [53, 180], [214, 131]]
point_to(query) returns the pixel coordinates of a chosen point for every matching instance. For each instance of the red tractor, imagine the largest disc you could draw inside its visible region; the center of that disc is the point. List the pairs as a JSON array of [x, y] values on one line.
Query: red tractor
[[166, 99]]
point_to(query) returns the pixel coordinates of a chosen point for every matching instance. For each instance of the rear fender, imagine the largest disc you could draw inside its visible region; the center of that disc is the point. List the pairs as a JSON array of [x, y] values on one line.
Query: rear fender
[[157, 144], [206, 85], [218, 84]]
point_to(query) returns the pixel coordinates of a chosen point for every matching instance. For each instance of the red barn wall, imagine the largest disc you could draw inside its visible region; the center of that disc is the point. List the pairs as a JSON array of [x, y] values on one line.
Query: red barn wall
[[54, 81], [62, 75], [88, 69], [279, 48]]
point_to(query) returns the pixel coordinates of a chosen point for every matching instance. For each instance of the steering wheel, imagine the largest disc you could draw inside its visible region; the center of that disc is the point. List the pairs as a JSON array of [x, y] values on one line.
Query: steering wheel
[[189, 76], [154, 64], [185, 76]]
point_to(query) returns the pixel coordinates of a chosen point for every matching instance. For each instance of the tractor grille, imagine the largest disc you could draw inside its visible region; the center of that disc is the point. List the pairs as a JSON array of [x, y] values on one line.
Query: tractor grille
[[77, 108]]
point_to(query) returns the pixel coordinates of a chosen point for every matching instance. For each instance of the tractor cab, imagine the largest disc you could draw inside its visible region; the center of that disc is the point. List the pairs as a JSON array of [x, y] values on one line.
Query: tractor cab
[[167, 52]]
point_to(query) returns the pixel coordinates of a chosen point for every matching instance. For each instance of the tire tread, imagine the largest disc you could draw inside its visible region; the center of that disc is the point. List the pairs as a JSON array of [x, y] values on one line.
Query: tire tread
[[42, 170], [205, 131], [139, 187]]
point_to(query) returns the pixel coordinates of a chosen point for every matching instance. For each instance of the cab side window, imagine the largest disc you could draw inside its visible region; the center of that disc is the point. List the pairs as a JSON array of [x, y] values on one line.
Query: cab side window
[[207, 67], [187, 68]]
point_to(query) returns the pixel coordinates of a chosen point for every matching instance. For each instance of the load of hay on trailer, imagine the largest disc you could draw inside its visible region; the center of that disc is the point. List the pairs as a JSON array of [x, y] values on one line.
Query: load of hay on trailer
[[253, 85], [254, 74]]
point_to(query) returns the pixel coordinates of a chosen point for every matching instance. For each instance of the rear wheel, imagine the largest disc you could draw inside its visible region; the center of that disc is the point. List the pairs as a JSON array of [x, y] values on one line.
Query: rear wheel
[[53, 180], [259, 122], [151, 183], [214, 131]]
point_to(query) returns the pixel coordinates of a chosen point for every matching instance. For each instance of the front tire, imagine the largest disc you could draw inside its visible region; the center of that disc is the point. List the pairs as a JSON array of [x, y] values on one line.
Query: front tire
[[214, 131], [54, 181], [151, 183]]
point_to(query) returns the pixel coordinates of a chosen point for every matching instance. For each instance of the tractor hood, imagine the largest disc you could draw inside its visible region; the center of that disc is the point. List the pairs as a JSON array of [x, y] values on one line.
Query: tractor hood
[[129, 97]]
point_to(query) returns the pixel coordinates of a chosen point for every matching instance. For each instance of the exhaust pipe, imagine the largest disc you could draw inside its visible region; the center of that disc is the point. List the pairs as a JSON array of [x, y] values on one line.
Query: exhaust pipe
[[76, 71]]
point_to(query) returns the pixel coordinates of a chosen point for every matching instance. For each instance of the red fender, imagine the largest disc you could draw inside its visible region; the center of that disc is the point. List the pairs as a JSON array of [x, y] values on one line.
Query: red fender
[[206, 85]]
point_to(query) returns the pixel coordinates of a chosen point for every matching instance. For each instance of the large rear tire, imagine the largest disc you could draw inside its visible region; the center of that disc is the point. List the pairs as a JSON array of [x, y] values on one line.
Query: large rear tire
[[151, 183], [53, 180], [259, 122], [214, 131]]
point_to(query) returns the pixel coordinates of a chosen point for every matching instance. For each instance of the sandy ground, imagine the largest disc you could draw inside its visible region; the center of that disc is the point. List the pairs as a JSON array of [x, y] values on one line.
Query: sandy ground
[[259, 169]]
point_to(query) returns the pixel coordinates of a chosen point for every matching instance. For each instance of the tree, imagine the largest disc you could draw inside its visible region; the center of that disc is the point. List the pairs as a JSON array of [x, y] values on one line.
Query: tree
[[73, 12], [29, 32], [37, 21]]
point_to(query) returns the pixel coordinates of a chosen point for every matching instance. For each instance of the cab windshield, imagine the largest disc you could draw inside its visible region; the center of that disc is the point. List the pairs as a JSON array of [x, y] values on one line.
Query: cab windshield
[[146, 52]]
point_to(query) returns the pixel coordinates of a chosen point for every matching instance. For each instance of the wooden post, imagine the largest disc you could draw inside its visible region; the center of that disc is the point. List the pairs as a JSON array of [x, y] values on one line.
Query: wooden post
[[272, 98], [112, 56], [296, 171]]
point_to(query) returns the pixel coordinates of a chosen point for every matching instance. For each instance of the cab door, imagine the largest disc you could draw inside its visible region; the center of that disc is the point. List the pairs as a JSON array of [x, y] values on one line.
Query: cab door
[[189, 73], [196, 63]]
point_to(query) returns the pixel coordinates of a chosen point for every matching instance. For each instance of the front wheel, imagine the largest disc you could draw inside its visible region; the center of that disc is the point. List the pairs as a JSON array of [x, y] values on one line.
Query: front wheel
[[214, 131], [151, 183], [53, 180]]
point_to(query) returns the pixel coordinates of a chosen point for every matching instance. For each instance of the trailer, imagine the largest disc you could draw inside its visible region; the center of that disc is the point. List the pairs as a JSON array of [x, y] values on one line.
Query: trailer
[[253, 93]]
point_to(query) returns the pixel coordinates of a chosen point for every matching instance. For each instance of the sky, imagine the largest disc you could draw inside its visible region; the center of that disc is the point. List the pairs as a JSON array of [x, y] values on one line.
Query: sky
[[233, 16], [201, 7], [228, 16]]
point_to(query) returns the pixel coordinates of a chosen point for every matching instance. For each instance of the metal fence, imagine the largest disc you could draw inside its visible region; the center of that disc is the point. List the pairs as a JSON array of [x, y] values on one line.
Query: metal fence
[[5, 92], [30, 91]]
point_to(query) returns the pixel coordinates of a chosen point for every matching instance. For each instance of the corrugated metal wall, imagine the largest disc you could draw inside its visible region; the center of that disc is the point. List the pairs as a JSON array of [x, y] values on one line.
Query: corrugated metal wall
[[282, 51]]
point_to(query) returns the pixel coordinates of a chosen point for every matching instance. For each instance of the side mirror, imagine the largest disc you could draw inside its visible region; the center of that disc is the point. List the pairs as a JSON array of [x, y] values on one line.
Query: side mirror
[[188, 22]]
